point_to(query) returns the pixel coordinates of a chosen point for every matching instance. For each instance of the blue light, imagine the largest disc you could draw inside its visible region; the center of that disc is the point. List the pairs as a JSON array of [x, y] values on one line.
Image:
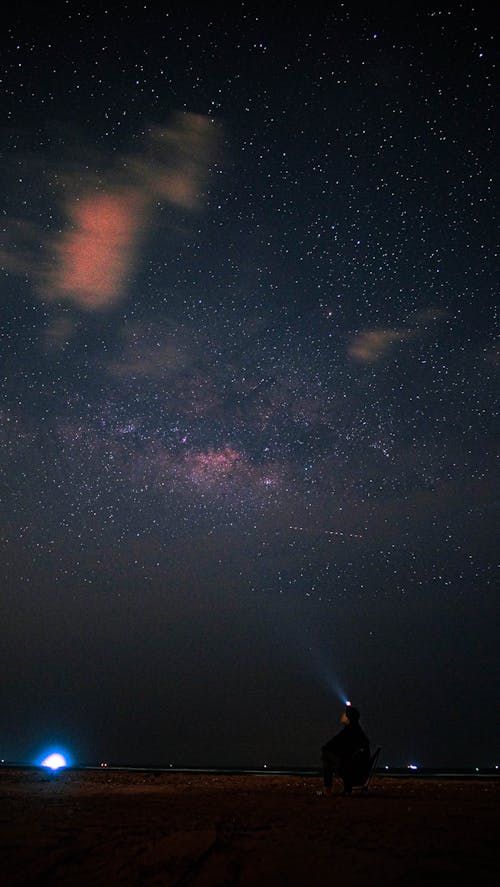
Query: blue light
[[54, 761]]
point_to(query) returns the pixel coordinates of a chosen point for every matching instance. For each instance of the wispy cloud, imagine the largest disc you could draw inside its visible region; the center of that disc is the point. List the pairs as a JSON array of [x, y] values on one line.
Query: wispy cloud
[[153, 352], [372, 345], [174, 167], [90, 262], [59, 332]]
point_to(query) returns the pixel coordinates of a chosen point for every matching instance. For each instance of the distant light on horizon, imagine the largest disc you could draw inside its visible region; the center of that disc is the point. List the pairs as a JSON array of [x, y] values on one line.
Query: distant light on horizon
[[54, 761], [412, 767]]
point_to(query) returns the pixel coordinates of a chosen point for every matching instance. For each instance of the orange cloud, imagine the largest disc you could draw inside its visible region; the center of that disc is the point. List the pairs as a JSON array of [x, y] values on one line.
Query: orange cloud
[[93, 259], [369, 346], [90, 262]]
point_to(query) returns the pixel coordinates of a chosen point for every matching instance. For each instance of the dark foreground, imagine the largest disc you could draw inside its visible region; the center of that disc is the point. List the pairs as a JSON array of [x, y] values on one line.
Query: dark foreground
[[134, 828]]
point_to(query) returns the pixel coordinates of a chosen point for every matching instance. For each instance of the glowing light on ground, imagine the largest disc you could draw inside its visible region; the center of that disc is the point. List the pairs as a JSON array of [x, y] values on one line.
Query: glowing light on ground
[[54, 761]]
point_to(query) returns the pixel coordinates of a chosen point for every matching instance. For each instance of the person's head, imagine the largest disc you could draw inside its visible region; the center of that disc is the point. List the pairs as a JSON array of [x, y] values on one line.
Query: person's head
[[351, 715]]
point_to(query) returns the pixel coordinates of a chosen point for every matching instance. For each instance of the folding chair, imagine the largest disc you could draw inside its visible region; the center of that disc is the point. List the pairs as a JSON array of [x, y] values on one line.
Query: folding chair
[[356, 772]]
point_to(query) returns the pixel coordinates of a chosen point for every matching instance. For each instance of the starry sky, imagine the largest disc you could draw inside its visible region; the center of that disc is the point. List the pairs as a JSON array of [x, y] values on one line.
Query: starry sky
[[248, 386]]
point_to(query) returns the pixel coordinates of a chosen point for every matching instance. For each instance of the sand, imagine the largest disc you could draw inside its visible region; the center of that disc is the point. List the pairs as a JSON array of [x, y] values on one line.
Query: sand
[[133, 828]]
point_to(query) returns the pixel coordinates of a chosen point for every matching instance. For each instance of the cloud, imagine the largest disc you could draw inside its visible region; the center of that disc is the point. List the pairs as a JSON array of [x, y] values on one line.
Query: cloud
[[152, 352], [370, 346], [94, 257], [176, 164], [90, 262], [20, 242]]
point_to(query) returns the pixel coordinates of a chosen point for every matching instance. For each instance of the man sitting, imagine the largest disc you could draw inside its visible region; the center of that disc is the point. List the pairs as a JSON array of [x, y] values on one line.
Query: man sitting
[[347, 754]]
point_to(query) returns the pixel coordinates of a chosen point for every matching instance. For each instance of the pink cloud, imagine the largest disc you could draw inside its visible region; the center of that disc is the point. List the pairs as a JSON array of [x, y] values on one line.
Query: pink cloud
[[91, 261], [93, 258]]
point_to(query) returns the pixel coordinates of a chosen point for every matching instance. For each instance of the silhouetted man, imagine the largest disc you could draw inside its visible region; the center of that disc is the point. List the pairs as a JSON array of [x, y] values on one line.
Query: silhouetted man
[[347, 752]]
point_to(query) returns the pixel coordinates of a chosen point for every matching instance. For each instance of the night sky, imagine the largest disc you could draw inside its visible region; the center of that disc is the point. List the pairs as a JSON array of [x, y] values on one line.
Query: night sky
[[248, 383]]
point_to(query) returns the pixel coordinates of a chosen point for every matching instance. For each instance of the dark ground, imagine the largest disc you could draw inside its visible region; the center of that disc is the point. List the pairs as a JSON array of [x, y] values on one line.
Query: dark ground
[[134, 828]]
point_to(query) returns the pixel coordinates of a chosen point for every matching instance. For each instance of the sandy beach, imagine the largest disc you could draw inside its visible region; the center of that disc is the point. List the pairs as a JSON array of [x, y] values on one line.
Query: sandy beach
[[139, 827]]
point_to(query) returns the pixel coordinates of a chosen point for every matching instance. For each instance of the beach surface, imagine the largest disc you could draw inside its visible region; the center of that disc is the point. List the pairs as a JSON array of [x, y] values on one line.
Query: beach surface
[[92, 827]]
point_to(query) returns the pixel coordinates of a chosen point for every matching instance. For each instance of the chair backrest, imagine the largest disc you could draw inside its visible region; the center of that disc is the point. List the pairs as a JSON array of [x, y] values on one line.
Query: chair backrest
[[373, 762], [374, 758], [360, 766]]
